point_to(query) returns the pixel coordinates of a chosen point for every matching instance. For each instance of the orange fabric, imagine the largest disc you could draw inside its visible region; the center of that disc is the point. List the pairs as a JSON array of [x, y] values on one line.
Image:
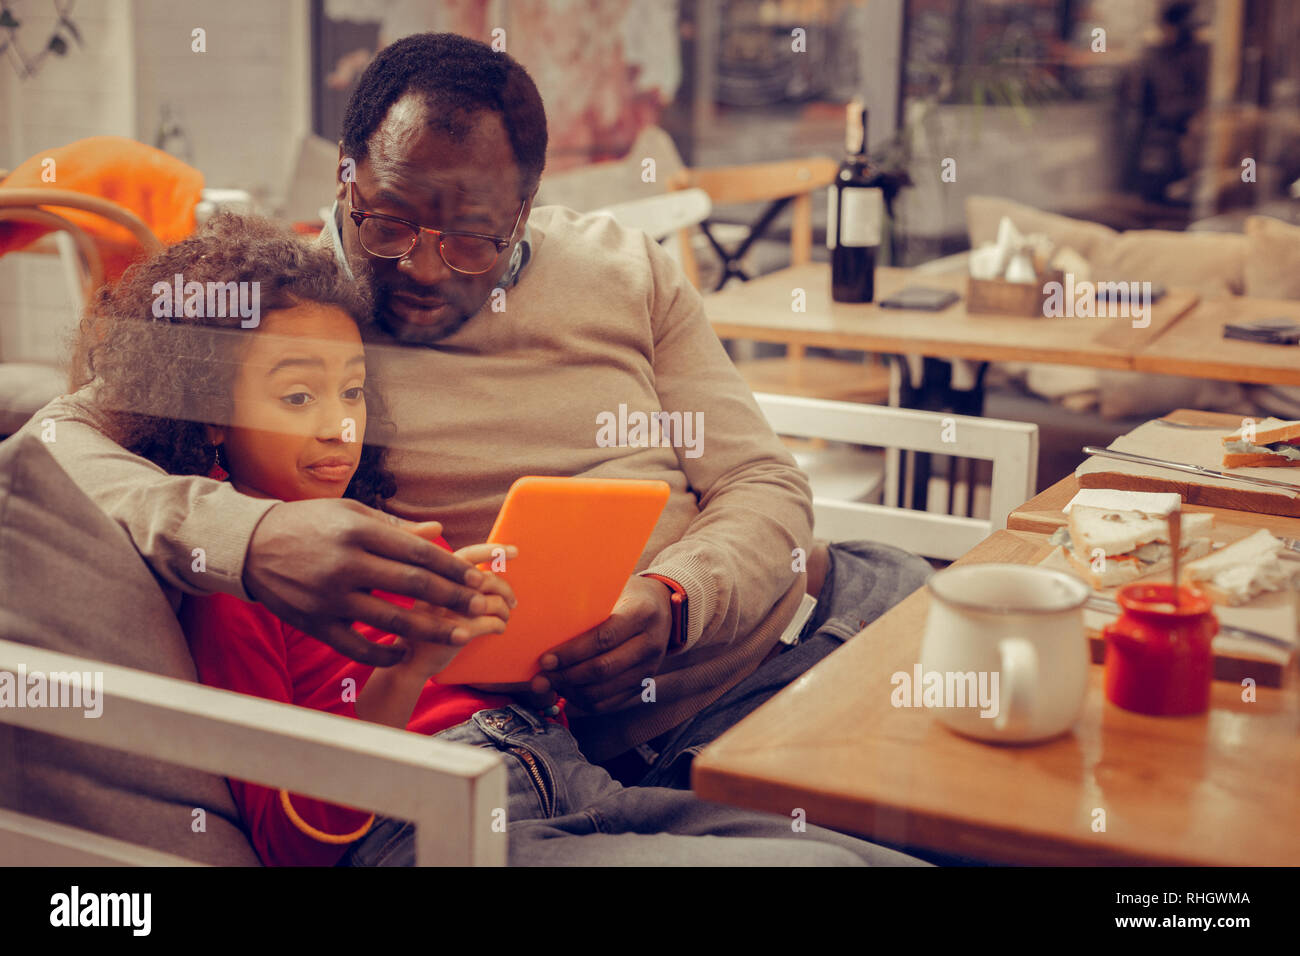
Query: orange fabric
[[154, 185]]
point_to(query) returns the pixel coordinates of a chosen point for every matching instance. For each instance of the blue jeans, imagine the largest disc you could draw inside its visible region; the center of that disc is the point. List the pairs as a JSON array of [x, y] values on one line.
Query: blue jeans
[[863, 581], [565, 811]]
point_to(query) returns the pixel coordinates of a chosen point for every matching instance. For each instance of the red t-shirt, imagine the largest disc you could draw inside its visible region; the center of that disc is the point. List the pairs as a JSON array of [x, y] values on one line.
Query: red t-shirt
[[243, 647]]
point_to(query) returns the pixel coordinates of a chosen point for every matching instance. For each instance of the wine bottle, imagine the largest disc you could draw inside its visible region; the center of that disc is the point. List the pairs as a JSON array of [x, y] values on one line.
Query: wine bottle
[[855, 215]]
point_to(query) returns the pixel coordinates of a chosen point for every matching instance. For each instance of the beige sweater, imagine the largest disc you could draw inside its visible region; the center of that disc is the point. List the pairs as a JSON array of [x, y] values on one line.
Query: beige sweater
[[600, 318]]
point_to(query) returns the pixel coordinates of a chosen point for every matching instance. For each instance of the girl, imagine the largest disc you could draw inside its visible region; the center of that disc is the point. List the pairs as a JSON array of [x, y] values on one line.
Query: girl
[[278, 404]]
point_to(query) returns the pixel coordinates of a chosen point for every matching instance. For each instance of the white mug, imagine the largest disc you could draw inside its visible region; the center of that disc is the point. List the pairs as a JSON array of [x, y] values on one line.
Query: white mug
[[1010, 636]]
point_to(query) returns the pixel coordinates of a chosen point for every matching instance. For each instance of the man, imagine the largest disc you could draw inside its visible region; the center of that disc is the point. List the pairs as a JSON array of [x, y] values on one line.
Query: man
[[503, 335]]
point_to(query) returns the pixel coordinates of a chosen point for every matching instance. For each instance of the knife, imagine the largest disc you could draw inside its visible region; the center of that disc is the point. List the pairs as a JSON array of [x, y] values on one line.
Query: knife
[[1184, 466], [1107, 606]]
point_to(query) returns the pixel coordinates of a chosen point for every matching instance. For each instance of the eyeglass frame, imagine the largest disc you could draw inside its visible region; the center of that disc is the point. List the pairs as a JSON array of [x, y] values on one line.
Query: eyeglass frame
[[360, 215]]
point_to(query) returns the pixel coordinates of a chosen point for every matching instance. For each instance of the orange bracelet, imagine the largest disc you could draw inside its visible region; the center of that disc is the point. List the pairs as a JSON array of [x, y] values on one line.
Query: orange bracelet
[[321, 835]]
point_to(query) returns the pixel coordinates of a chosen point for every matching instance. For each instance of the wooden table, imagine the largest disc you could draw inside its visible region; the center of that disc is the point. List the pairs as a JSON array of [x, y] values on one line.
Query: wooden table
[[760, 310], [1196, 346], [1216, 789], [1185, 336]]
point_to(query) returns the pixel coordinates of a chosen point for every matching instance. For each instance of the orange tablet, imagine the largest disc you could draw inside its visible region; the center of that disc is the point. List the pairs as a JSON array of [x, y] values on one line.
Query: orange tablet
[[579, 540]]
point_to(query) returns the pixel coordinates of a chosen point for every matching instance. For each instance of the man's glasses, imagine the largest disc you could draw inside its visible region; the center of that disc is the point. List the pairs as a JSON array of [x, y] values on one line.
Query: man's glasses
[[387, 237]]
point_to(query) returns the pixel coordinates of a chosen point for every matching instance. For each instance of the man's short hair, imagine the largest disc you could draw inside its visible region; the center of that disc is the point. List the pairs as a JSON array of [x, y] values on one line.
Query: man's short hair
[[459, 76]]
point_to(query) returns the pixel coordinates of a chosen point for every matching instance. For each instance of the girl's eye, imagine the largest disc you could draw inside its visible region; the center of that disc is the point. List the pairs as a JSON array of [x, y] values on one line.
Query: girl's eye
[[353, 394], [297, 399]]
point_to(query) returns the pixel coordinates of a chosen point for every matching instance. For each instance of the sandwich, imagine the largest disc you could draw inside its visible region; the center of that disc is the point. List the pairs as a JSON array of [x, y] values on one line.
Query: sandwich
[[1276, 444], [1242, 570], [1114, 537]]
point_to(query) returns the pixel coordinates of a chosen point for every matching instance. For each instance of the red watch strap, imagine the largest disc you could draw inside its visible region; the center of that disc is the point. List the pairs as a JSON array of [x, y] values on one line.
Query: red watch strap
[[677, 601]]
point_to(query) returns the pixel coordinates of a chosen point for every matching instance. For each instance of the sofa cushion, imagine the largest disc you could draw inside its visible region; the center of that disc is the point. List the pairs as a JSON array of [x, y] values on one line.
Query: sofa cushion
[[26, 387], [1125, 394], [983, 213], [71, 581], [1272, 258], [1210, 264]]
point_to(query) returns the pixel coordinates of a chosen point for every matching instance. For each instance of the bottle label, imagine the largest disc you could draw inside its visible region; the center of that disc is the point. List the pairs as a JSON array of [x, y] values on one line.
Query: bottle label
[[861, 216]]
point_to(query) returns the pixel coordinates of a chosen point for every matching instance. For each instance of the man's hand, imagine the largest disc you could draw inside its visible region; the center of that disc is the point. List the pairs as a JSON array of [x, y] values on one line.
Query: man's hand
[[313, 563], [602, 670], [536, 693]]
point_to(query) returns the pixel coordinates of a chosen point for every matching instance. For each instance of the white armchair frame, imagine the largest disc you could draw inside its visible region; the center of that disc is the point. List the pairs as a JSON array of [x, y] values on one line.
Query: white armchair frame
[[454, 794], [1011, 446], [661, 216]]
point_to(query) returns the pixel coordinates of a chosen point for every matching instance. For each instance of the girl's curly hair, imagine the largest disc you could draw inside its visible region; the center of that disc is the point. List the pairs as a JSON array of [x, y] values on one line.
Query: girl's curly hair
[[159, 380]]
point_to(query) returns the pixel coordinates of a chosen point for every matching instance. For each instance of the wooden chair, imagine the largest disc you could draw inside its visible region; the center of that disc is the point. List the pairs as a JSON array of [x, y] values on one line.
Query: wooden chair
[[34, 205], [1012, 447], [787, 183], [40, 381], [451, 792]]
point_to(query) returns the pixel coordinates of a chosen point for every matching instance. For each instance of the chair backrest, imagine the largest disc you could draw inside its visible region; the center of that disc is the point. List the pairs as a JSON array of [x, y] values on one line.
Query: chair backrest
[[68, 199], [795, 179], [1012, 447], [313, 181], [598, 185], [661, 216], [90, 274], [631, 190], [38, 205]]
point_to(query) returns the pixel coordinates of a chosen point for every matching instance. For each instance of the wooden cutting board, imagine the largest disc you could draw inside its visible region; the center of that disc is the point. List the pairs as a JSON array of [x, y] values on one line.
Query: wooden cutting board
[[1193, 446]]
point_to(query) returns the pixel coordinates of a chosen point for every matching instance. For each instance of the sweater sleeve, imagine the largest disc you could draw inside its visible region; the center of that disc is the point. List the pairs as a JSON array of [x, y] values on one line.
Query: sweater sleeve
[[242, 647], [737, 557], [167, 516]]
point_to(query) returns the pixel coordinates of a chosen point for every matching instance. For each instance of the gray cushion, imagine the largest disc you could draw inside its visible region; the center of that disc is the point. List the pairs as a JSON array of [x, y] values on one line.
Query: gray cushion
[[24, 388], [71, 581]]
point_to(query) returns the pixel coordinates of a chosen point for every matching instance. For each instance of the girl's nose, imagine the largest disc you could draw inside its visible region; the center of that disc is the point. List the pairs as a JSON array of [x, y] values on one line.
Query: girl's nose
[[335, 422]]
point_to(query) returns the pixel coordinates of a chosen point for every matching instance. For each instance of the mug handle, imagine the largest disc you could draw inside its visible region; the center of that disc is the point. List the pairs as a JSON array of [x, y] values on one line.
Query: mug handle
[[1019, 681]]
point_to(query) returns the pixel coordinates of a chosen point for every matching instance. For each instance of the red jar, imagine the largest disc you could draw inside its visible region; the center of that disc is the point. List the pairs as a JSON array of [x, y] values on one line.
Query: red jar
[[1158, 655]]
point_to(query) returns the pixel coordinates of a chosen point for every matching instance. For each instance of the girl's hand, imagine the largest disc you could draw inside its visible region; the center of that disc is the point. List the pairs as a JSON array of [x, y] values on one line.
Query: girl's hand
[[537, 693], [500, 598], [485, 554], [426, 658], [423, 660]]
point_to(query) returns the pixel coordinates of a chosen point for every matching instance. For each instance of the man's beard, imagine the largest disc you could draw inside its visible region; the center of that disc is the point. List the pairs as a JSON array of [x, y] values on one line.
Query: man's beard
[[385, 326]]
